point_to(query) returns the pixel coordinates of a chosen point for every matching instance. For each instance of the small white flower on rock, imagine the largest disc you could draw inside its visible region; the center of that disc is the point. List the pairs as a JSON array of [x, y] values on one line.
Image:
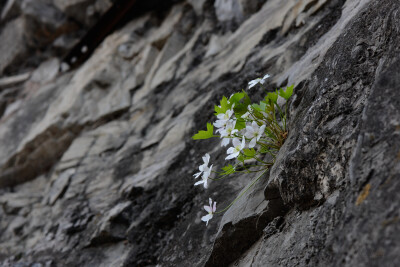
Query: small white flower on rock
[[237, 147], [258, 80], [223, 119], [204, 178], [254, 133], [227, 115], [266, 76], [228, 132], [204, 166], [211, 210]]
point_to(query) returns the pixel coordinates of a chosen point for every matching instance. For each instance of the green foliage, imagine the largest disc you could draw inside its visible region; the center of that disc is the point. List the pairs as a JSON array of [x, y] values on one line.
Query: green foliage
[[223, 106], [228, 170], [273, 97], [263, 150], [286, 94], [260, 107], [249, 153], [240, 124], [205, 134], [235, 98]]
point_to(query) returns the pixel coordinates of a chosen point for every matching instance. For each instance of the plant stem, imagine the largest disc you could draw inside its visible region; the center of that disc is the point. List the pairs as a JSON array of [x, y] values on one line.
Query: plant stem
[[238, 197]]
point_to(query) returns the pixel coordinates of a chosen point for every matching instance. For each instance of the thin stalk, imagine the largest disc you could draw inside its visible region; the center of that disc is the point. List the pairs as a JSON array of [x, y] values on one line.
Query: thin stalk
[[238, 197]]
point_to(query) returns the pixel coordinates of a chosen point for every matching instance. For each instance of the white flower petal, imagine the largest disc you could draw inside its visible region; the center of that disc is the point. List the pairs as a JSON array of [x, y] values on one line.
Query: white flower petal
[[252, 143], [250, 129], [225, 141], [201, 167], [231, 156], [221, 131], [196, 175], [220, 123], [205, 184], [243, 143], [260, 132], [221, 116], [207, 172], [199, 182], [206, 218], [206, 158], [235, 142]]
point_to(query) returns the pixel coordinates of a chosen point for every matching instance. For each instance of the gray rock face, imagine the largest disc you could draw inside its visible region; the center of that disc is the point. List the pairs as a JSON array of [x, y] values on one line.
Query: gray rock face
[[12, 42], [53, 27], [96, 164]]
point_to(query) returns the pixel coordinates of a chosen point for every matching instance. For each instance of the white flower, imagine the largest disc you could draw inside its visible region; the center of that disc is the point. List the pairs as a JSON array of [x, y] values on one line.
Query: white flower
[[254, 133], [228, 132], [223, 120], [204, 167], [227, 115], [211, 210], [204, 178], [220, 124], [237, 147], [266, 76], [258, 80]]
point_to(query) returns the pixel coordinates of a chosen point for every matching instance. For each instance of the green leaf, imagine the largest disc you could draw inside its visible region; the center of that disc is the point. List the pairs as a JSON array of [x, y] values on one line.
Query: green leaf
[[286, 94], [247, 100], [223, 107], [256, 107], [235, 98], [263, 150], [205, 134], [263, 105], [240, 109], [241, 158], [272, 96], [249, 153], [228, 169], [240, 124]]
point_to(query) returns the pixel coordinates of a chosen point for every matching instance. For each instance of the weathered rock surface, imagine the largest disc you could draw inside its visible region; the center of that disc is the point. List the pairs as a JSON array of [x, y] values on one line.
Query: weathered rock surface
[[96, 164], [34, 31]]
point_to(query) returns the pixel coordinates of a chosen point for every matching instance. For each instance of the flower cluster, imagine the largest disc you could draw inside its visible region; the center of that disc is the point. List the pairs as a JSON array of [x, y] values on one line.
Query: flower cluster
[[257, 131]]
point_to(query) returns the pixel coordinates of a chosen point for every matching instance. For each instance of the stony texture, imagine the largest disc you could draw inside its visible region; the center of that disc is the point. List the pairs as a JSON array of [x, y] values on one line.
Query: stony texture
[[96, 164], [12, 42], [34, 31]]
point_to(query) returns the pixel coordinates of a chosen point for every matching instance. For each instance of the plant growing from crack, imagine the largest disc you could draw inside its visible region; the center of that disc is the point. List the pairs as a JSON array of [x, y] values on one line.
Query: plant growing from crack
[[256, 132]]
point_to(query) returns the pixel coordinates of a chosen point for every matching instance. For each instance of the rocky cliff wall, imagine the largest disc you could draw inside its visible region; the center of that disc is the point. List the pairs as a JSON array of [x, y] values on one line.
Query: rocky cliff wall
[[96, 163]]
